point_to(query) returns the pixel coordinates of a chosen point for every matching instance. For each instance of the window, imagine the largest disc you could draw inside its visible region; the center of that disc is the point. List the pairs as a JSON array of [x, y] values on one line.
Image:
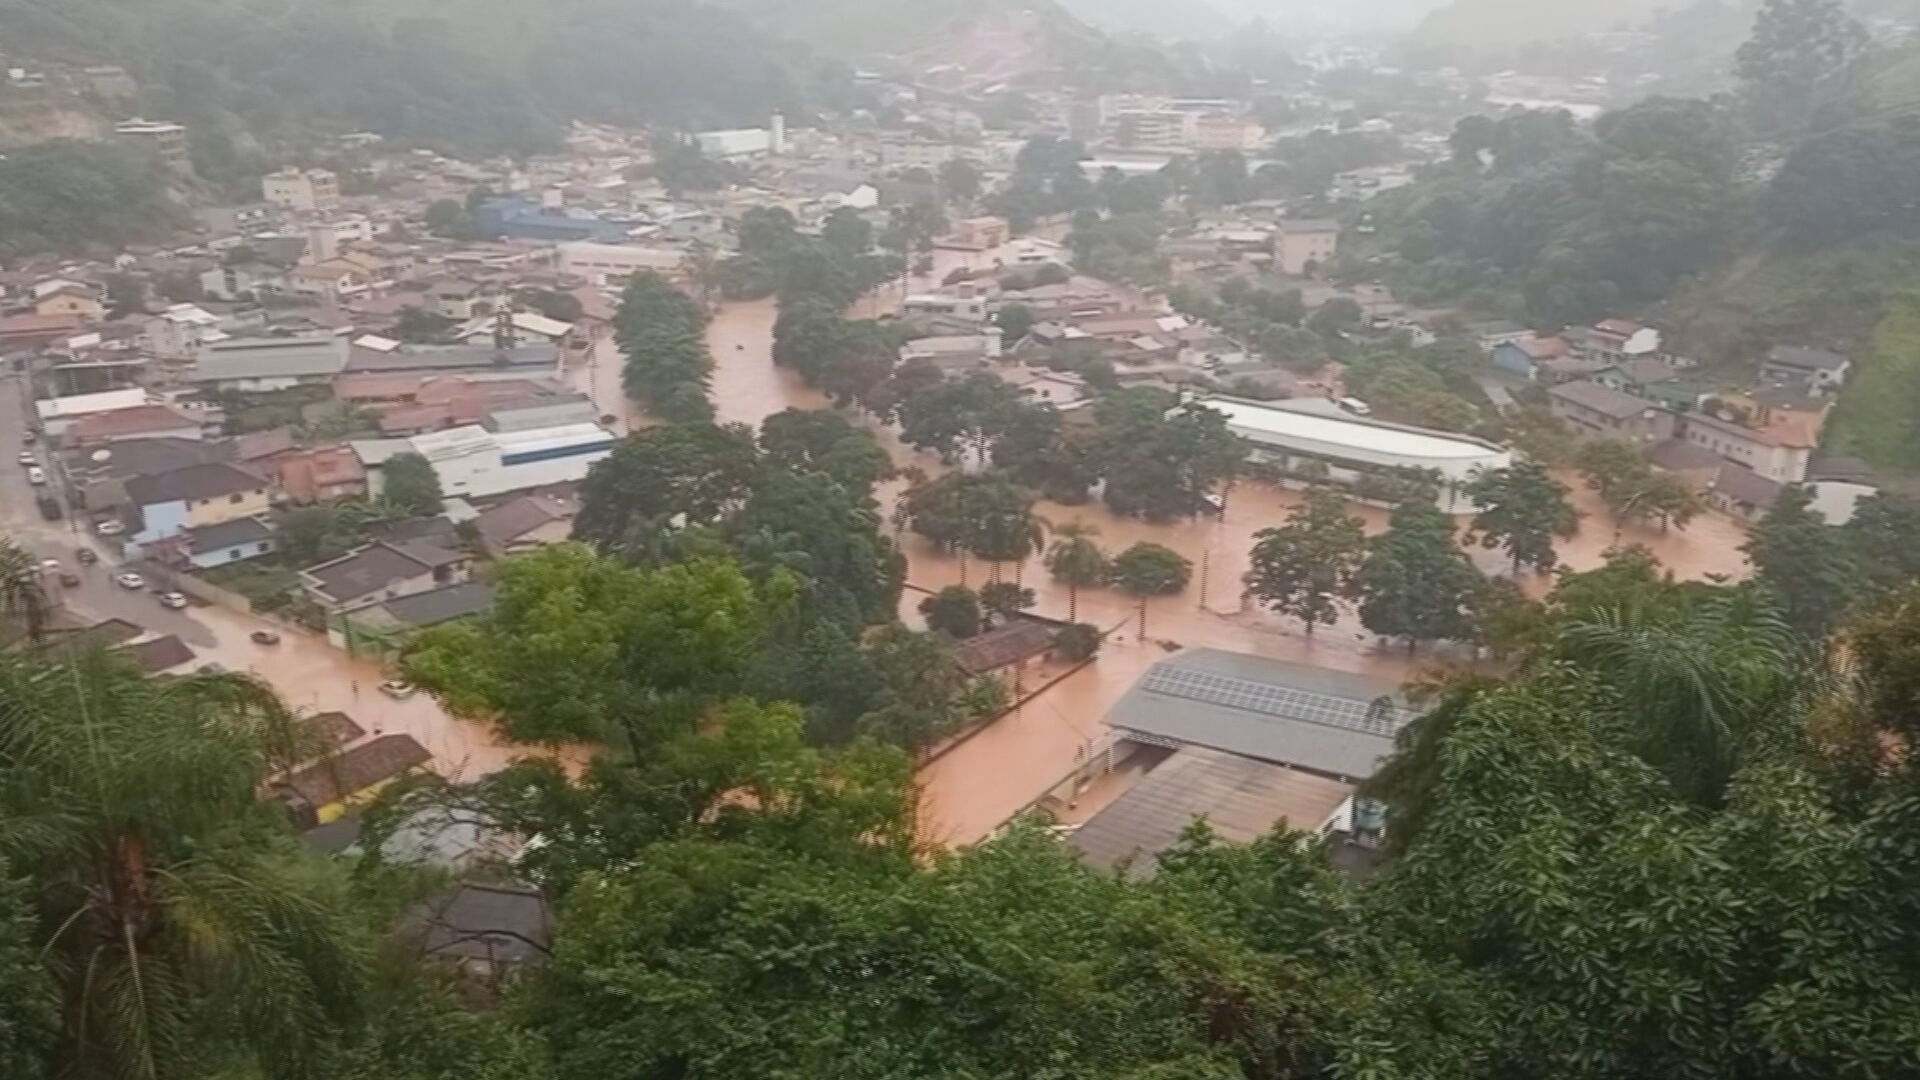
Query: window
[[264, 547], [233, 554], [235, 498]]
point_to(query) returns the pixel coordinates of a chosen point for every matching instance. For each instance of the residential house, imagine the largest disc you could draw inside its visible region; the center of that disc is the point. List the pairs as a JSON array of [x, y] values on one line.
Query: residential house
[[179, 332], [166, 655], [487, 932], [612, 264], [525, 523], [1655, 378], [459, 299], [526, 361], [258, 365], [383, 627], [1775, 443], [326, 790], [139, 422], [1523, 356], [244, 280], [72, 299], [195, 496], [1818, 370], [1593, 409], [57, 414], [228, 542], [97, 480], [30, 331], [1303, 247], [321, 474], [332, 280], [534, 413], [1611, 340], [520, 328], [1742, 492], [383, 570]]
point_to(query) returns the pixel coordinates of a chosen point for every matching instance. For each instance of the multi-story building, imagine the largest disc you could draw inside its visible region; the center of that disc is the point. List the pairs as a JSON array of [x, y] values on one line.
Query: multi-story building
[[167, 141], [1598, 410], [1227, 131], [308, 191], [1775, 443]]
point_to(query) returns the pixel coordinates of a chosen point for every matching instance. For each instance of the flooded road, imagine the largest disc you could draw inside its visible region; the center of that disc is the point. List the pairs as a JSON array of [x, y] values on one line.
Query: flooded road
[[976, 785]]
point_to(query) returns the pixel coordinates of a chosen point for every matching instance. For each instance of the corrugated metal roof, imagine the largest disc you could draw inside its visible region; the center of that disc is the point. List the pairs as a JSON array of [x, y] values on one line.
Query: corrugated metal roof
[[1330, 722], [1240, 798]]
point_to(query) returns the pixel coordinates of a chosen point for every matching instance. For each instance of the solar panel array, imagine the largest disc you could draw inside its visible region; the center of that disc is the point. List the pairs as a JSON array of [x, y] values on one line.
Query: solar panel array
[[1266, 699]]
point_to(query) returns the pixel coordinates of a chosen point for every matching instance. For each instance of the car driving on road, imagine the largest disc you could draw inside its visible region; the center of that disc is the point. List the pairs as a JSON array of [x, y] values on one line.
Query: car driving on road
[[173, 600], [130, 581]]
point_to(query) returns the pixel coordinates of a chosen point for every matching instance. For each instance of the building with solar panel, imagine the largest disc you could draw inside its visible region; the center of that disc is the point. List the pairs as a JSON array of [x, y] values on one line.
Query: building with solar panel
[[1246, 742]]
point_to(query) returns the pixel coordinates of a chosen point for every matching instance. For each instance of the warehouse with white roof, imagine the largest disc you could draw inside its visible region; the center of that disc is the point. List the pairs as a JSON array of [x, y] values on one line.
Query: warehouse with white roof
[[475, 463], [1291, 434]]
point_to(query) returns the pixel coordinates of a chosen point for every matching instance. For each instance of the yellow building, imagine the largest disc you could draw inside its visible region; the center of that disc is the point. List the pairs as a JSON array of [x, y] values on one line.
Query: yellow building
[[1302, 248]]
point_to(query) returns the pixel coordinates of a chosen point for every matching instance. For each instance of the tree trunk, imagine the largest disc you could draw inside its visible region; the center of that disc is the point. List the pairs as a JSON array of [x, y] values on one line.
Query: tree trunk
[[963, 568], [1073, 602], [1143, 619]]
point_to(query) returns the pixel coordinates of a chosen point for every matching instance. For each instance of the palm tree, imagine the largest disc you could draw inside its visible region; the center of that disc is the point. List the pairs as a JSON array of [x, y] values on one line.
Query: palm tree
[[174, 907], [1076, 561], [23, 596], [1700, 689]]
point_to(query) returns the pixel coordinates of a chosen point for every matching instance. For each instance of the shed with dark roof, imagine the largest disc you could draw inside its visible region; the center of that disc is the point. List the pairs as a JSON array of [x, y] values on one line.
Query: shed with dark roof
[[323, 791]]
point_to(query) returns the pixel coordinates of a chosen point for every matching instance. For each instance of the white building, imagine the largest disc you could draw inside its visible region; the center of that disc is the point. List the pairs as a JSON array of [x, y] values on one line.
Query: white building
[[179, 332], [1353, 448], [473, 462], [736, 144], [611, 264], [58, 414], [308, 191], [916, 154]]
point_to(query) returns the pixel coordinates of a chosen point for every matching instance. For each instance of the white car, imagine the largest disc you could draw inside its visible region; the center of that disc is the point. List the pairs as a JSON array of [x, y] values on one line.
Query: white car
[[397, 690], [27, 458], [36, 475], [110, 527], [172, 600], [130, 581]]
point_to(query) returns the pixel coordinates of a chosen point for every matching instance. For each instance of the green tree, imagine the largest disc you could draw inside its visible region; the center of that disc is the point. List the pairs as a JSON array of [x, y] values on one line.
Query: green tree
[[1014, 320], [662, 332], [1147, 570], [187, 930], [642, 649], [1797, 48], [1521, 509], [1078, 641], [953, 611], [24, 605], [29, 994], [1077, 561], [62, 195], [1415, 582], [410, 484], [663, 479], [1805, 562], [1306, 567], [1616, 472], [1161, 466], [1002, 600], [817, 440], [449, 220], [959, 180], [846, 232]]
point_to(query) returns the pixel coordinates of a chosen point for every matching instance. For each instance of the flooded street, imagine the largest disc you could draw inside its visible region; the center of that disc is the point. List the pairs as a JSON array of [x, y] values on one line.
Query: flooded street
[[978, 783]]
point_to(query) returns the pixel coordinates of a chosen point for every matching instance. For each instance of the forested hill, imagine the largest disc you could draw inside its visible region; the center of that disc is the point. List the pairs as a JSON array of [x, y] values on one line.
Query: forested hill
[[477, 75], [854, 29], [1499, 24]]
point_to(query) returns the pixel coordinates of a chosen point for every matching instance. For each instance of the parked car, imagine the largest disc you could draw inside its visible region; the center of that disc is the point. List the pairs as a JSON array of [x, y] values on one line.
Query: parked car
[[397, 690], [172, 600], [29, 438], [110, 527], [49, 506], [51, 566], [28, 457], [70, 579], [36, 475], [265, 637], [130, 580], [86, 556]]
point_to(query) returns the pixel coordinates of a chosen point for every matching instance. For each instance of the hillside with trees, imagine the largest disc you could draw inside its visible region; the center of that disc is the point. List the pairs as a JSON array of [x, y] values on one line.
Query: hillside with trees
[[471, 75]]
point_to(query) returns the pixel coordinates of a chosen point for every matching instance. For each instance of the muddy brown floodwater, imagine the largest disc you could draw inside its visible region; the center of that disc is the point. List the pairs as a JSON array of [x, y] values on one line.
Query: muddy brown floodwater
[[977, 784]]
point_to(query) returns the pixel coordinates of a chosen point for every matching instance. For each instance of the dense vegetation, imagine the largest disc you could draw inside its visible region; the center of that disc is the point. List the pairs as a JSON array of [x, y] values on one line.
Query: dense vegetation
[[70, 196], [1670, 843], [465, 74]]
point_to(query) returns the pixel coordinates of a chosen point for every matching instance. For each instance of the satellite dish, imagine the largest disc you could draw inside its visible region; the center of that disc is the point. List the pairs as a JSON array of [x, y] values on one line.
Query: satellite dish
[[101, 456]]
